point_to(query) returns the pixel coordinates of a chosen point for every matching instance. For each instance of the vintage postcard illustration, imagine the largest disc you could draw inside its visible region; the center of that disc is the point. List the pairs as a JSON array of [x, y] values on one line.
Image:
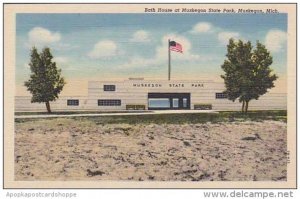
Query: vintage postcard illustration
[[150, 95]]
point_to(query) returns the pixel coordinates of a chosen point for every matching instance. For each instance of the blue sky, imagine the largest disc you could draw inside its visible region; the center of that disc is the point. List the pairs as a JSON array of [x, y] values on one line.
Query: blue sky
[[118, 46]]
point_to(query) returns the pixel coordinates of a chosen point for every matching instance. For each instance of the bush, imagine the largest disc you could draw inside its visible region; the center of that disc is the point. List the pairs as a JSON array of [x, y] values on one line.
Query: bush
[[203, 106], [135, 107]]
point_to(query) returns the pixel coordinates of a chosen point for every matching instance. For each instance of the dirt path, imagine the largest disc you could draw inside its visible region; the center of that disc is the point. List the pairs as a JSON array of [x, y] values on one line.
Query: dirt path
[[63, 149]]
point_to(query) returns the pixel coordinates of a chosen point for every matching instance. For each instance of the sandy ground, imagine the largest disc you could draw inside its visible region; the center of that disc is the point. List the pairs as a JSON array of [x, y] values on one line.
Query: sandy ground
[[63, 149]]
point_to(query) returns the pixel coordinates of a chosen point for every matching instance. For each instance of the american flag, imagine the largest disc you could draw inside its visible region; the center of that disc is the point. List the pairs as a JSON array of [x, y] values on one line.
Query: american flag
[[174, 46]]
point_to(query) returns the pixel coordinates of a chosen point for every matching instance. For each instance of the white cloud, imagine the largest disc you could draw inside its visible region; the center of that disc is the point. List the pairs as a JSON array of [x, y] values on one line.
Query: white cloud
[[104, 48], [61, 60], [201, 27], [224, 37], [161, 54], [275, 40], [42, 36], [140, 36]]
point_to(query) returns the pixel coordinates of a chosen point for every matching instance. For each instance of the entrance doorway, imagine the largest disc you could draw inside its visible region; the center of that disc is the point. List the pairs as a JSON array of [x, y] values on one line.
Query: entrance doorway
[[165, 101]]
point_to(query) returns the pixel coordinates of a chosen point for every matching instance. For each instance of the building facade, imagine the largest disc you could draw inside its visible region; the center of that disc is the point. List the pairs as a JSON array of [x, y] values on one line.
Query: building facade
[[139, 94]]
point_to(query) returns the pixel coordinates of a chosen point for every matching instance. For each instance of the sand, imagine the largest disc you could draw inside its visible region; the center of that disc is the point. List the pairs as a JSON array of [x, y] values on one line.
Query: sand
[[65, 149]]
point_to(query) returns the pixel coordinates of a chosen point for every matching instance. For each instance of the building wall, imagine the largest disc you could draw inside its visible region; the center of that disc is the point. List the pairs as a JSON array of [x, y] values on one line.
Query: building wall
[[136, 92], [23, 103]]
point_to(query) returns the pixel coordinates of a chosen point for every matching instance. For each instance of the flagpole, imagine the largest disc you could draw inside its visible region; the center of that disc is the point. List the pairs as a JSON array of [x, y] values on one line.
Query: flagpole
[[169, 71]]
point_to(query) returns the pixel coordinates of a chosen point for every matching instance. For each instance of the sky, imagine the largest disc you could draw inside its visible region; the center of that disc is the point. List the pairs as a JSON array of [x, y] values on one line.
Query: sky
[[119, 46]]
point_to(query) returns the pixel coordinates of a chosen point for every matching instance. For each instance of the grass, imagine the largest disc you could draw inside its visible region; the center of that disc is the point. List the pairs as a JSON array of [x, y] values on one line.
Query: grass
[[224, 116], [76, 112]]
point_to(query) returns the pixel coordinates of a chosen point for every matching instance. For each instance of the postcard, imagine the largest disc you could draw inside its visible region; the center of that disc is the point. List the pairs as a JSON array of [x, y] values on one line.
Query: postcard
[[150, 96]]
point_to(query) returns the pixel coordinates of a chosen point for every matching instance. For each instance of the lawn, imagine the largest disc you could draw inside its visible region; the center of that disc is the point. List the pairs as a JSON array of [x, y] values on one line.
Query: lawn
[[224, 116]]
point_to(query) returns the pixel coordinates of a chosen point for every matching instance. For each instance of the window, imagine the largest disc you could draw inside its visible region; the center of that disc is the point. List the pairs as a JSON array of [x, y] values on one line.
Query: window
[[109, 87], [159, 103], [184, 102], [221, 96], [175, 102], [73, 102], [109, 102]]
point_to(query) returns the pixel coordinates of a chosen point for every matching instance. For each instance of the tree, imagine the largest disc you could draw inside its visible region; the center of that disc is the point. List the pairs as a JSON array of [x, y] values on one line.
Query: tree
[[45, 81], [247, 72]]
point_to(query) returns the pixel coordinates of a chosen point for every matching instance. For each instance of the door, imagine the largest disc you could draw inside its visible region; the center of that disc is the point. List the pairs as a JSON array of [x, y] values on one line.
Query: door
[[175, 103], [165, 101]]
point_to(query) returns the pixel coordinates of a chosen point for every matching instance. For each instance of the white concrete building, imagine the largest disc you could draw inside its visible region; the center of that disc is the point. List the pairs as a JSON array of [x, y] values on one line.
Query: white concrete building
[[152, 95]]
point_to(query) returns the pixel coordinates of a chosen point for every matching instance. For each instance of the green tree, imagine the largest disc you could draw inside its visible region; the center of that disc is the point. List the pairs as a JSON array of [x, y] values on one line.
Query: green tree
[[45, 81], [247, 72]]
